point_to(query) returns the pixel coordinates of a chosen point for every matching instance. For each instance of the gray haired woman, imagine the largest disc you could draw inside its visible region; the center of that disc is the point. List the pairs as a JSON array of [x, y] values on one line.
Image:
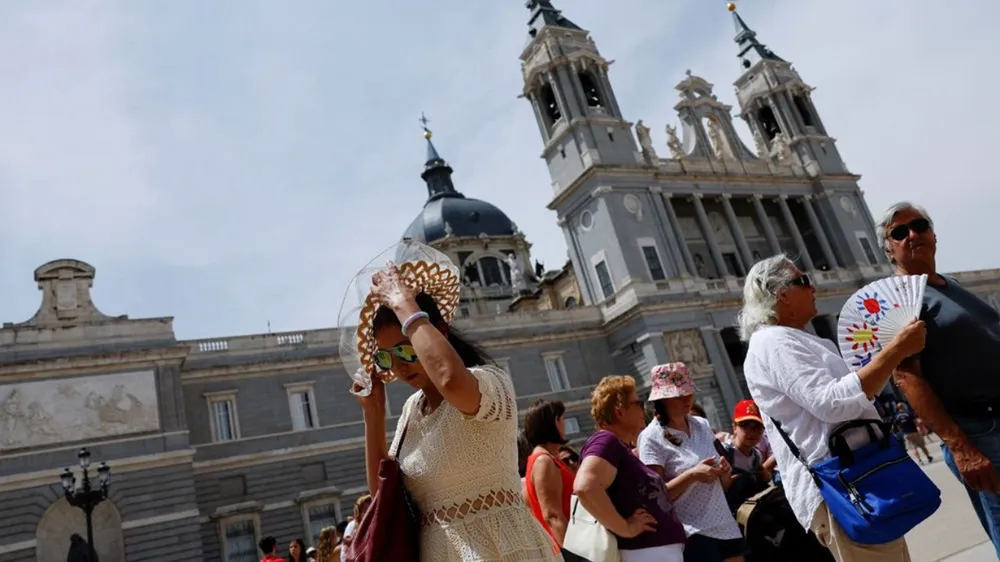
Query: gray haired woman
[[801, 381]]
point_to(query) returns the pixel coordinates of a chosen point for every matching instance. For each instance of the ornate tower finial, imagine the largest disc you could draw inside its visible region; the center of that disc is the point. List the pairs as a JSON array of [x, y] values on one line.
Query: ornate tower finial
[[751, 50], [423, 122], [437, 172]]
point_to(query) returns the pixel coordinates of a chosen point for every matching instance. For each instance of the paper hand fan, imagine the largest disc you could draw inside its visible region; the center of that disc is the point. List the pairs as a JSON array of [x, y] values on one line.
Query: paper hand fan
[[876, 313]]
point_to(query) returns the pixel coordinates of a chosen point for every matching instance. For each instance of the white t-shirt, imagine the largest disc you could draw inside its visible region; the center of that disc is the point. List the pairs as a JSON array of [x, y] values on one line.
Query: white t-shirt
[[348, 531], [702, 508], [800, 380]]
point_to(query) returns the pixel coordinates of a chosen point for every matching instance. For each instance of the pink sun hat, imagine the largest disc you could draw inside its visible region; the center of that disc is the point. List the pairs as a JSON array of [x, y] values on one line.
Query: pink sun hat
[[672, 380]]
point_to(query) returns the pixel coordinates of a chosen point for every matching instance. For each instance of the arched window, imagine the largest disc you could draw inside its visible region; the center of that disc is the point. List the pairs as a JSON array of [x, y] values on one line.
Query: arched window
[[768, 122], [493, 271], [591, 93], [803, 107], [571, 302], [550, 106]]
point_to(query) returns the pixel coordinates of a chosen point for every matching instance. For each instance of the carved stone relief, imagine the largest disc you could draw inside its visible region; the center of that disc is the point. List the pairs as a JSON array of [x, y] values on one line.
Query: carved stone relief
[[748, 226], [720, 227], [633, 205], [848, 206], [56, 411], [689, 226], [686, 346]]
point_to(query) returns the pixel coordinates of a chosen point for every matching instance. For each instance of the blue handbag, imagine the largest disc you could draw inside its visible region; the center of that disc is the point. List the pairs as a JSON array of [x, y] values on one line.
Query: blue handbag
[[876, 493]]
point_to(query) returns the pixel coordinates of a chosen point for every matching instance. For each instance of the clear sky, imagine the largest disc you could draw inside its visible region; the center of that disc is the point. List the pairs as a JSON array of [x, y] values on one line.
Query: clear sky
[[233, 163]]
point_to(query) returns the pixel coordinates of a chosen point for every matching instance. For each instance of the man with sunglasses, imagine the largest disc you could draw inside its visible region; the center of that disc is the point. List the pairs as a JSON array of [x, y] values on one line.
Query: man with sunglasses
[[954, 383]]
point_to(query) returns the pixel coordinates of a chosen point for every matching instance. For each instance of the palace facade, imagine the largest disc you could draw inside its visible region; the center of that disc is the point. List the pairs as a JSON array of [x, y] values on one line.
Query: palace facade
[[214, 442]]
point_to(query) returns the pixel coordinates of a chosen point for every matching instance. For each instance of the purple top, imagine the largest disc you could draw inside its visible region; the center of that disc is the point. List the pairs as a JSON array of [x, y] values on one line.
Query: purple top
[[636, 485]]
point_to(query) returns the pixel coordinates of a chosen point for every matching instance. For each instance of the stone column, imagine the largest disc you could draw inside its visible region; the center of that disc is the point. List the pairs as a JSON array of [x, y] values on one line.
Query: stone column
[[824, 242], [609, 92], [561, 100], [654, 352], [676, 267], [734, 227], [765, 223], [539, 116], [724, 372], [786, 213], [679, 233], [706, 231]]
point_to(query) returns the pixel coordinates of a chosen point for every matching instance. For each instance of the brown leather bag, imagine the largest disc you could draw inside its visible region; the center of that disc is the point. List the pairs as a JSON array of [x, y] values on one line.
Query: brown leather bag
[[390, 529]]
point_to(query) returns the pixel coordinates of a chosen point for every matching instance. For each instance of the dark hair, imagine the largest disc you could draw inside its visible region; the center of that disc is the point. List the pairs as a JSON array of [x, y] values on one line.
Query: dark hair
[[573, 455], [660, 407], [267, 545], [523, 452], [342, 526], [302, 548], [540, 423], [472, 355], [697, 410]]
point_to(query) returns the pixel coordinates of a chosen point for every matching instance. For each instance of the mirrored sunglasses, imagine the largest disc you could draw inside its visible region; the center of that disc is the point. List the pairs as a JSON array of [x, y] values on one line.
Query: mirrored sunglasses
[[383, 358]]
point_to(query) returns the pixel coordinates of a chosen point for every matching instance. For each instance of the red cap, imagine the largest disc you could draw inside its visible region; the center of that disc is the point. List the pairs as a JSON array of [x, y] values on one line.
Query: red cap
[[747, 410]]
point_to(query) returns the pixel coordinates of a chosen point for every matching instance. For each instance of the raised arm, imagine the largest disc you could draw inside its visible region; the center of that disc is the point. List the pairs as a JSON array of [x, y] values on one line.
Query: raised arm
[[443, 365], [804, 378], [976, 469], [373, 408], [440, 360]]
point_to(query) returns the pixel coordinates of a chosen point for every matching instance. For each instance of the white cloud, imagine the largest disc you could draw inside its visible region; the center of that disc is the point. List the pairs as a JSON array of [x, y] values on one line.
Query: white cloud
[[233, 166]]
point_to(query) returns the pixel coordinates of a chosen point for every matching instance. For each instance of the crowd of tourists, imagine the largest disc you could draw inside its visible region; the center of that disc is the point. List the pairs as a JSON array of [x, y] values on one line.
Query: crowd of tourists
[[809, 470], [330, 544]]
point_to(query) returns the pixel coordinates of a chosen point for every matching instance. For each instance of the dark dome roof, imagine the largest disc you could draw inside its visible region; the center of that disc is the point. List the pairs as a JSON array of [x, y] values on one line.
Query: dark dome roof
[[466, 217]]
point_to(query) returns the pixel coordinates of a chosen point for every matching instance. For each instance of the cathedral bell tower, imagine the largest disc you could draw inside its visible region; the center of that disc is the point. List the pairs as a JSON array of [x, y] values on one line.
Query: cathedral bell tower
[[778, 107], [566, 81]]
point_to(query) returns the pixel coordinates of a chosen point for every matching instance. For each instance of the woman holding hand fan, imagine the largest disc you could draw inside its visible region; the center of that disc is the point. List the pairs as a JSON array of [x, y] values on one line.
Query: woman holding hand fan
[[801, 381]]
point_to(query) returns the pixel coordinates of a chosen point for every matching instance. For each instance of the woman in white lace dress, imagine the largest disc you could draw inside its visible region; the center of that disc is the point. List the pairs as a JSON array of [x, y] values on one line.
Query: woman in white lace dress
[[459, 455]]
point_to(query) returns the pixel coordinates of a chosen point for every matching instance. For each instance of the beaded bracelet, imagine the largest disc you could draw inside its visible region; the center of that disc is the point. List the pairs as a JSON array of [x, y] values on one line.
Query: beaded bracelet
[[413, 318]]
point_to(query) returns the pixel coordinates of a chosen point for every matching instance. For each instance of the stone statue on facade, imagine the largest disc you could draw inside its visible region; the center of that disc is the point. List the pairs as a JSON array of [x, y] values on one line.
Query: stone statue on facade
[[539, 270], [646, 142], [715, 135], [780, 149], [516, 274], [758, 141], [674, 143], [448, 231]]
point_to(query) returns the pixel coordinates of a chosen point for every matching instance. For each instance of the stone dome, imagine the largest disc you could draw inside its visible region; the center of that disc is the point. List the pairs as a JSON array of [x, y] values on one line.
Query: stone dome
[[458, 215]]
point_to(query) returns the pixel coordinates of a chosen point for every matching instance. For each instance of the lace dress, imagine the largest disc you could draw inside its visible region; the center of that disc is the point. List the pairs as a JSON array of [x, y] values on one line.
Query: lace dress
[[461, 472]]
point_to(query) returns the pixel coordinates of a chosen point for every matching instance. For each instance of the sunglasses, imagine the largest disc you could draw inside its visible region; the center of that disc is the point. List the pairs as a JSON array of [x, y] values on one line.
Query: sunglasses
[[750, 425], [917, 226], [802, 281], [383, 358]]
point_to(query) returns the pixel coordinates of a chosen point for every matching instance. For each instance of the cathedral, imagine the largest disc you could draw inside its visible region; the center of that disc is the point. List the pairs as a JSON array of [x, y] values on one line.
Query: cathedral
[[204, 460]]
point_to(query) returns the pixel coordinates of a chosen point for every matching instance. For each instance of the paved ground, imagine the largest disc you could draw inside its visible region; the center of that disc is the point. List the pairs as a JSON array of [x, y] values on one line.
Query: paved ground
[[953, 534]]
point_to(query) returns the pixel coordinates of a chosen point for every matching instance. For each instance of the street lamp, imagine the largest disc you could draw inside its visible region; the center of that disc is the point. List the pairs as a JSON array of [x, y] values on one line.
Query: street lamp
[[85, 496]]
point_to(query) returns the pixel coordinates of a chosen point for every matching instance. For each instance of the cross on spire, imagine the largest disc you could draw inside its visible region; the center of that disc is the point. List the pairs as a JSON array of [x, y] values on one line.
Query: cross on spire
[[424, 120]]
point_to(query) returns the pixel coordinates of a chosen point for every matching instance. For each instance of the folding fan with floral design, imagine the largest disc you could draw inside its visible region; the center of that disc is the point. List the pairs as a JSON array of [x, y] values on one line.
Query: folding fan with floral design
[[876, 313]]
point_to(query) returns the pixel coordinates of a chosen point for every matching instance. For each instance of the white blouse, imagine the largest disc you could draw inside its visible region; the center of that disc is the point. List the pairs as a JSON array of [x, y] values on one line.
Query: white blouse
[[702, 508], [801, 380]]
